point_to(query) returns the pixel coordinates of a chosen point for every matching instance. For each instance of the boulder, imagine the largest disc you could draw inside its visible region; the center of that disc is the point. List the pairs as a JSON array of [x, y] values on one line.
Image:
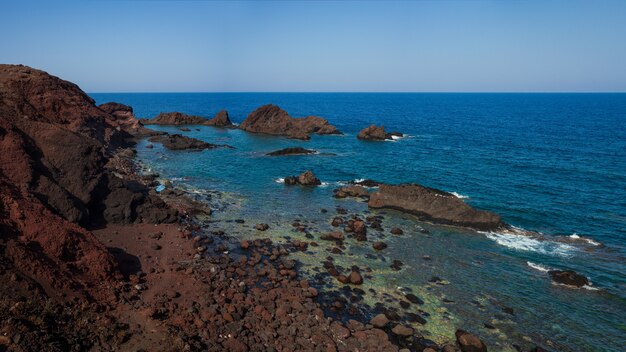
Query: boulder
[[434, 205], [355, 278], [379, 245], [262, 227], [351, 191], [272, 120], [375, 133], [292, 151], [220, 119], [469, 342], [569, 278], [402, 330], [307, 178], [379, 321]]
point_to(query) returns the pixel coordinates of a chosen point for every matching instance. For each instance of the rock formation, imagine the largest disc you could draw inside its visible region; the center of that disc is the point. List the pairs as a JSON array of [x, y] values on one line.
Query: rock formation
[[375, 133], [219, 120], [307, 178], [434, 205], [292, 151], [351, 191], [180, 142], [174, 118], [272, 120], [568, 277]]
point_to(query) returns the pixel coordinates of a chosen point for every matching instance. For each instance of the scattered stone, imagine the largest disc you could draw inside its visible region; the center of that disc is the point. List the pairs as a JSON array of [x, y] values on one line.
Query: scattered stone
[[469, 342], [402, 330], [379, 321], [379, 245]]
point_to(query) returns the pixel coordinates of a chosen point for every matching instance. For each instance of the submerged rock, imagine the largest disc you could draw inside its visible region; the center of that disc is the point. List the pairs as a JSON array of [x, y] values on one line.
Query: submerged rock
[[569, 278], [434, 205], [272, 120], [469, 342], [180, 142], [366, 183], [351, 191], [379, 321], [292, 151]]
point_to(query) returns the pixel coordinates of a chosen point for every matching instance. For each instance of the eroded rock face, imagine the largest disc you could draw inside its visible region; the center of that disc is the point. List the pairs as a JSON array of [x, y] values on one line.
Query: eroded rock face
[[272, 120], [174, 118], [53, 142], [118, 110], [569, 278], [292, 151], [180, 142], [375, 133], [434, 205], [220, 119]]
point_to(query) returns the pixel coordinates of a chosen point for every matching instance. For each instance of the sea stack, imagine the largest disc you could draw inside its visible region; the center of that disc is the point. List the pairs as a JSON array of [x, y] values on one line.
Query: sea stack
[[375, 133], [272, 120]]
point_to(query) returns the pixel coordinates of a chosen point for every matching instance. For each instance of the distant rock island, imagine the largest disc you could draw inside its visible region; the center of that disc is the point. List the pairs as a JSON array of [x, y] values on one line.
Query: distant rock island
[[272, 120]]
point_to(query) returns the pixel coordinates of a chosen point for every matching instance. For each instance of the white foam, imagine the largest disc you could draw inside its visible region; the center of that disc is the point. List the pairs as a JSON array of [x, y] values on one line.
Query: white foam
[[575, 236], [279, 180], [538, 267], [458, 195], [529, 244]]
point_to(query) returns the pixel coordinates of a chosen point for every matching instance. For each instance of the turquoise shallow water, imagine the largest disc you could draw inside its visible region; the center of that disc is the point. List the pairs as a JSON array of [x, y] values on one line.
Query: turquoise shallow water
[[551, 163]]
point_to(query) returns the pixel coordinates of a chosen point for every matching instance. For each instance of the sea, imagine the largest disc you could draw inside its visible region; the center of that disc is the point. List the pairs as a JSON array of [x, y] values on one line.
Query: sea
[[552, 165]]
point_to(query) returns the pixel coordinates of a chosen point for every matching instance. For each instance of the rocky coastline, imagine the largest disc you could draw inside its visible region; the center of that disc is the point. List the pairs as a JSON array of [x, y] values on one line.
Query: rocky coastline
[[98, 260]]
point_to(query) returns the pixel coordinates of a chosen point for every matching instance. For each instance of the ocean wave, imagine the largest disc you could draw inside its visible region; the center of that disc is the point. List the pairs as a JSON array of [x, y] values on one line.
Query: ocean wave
[[527, 243], [577, 238], [538, 267], [458, 195]]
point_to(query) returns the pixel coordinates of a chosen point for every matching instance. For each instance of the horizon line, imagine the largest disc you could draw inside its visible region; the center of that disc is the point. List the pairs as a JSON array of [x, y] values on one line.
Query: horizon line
[[359, 92]]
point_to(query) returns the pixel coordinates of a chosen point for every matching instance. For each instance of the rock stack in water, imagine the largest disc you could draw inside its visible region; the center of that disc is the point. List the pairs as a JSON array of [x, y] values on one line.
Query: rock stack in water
[[272, 120], [307, 178], [375, 133]]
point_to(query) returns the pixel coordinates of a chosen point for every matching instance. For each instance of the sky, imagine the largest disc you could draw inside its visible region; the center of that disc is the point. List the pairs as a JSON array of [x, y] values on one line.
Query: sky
[[322, 46]]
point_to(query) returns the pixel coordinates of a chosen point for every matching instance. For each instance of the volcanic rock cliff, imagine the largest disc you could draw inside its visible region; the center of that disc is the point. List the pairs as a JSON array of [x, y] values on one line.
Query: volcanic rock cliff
[[270, 119], [54, 144]]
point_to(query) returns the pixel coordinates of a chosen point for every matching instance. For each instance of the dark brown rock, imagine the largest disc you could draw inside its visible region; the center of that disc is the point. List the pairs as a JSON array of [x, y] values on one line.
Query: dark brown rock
[[351, 191], [180, 142], [220, 119], [292, 151], [434, 205], [568, 277], [469, 342], [174, 118], [270, 119]]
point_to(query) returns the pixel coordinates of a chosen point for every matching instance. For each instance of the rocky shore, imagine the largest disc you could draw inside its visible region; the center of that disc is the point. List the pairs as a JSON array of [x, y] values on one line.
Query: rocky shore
[[96, 259]]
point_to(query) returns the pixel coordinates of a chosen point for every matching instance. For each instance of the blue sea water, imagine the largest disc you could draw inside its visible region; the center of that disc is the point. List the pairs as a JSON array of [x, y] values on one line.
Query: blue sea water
[[554, 164]]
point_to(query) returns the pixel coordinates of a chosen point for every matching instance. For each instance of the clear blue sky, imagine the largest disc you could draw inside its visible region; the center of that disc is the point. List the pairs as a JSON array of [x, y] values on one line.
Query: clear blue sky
[[465, 45]]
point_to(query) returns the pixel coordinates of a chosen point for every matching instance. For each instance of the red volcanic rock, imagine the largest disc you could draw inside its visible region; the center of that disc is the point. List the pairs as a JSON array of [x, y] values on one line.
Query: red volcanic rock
[[434, 205], [469, 342], [174, 118], [117, 110], [220, 120], [180, 142], [54, 143], [270, 119]]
